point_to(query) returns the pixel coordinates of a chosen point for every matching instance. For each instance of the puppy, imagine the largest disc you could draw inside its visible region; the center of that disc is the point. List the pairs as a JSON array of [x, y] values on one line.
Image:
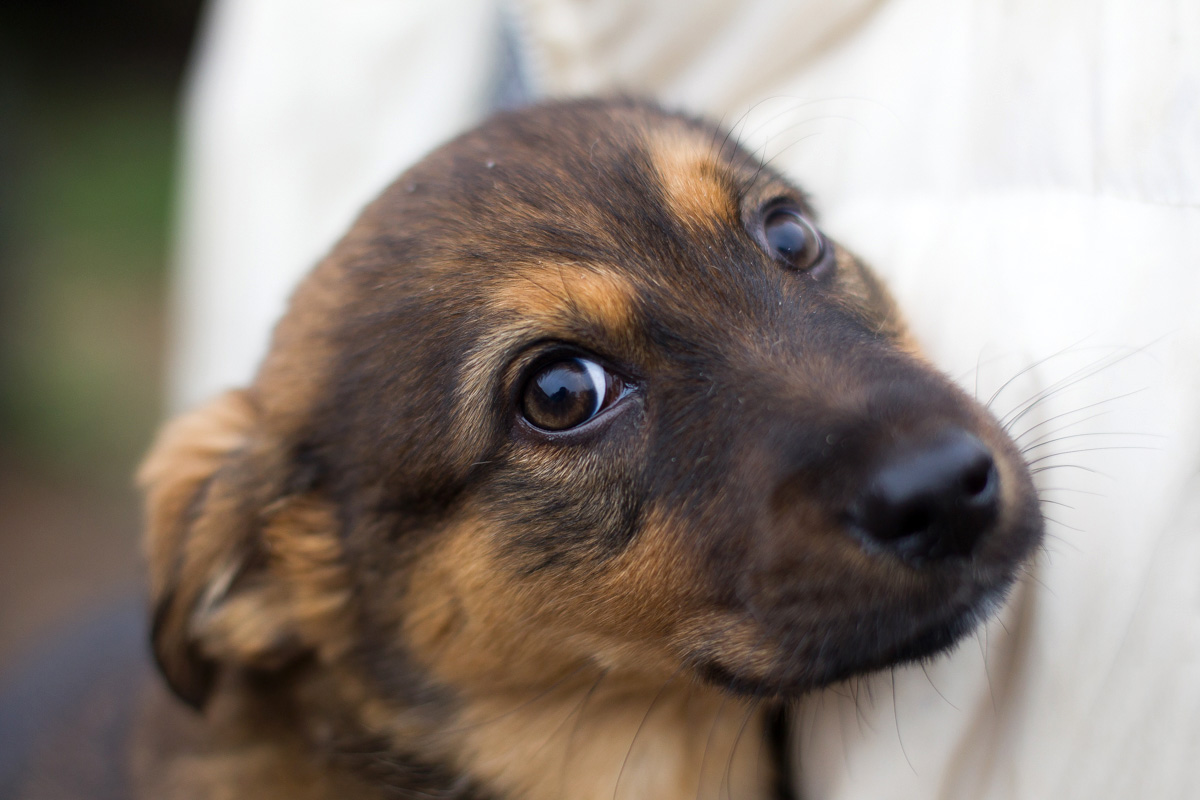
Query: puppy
[[581, 454]]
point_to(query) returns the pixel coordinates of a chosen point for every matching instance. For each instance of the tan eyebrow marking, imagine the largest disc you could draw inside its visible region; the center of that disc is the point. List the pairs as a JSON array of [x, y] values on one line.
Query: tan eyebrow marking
[[696, 183], [554, 294], [543, 300]]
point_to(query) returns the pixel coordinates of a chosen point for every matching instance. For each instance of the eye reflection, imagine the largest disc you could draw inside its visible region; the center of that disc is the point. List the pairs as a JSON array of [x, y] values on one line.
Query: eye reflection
[[567, 393]]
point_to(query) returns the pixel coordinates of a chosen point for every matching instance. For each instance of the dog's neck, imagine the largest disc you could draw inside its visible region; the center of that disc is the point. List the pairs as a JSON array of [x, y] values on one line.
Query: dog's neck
[[584, 739], [592, 742], [595, 739]]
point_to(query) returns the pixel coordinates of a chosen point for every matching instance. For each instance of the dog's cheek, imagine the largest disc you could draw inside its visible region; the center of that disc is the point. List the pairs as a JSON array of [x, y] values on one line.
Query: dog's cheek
[[859, 290], [472, 621], [568, 522], [569, 507]]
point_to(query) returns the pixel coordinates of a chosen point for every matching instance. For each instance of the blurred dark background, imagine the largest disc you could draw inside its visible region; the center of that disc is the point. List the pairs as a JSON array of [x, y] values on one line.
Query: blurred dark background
[[89, 102]]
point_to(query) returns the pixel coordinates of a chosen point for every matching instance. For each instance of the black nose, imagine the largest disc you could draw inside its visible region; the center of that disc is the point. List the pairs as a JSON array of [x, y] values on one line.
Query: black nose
[[930, 499]]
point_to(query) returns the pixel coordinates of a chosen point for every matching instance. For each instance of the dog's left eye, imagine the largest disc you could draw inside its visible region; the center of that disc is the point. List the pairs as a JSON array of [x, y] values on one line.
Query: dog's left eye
[[565, 394], [792, 238]]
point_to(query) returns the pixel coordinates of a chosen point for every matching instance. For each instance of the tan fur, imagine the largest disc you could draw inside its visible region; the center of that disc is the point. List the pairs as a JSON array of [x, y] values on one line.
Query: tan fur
[[617, 708], [549, 296], [187, 452], [186, 495], [596, 739], [307, 558], [696, 184], [302, 595]]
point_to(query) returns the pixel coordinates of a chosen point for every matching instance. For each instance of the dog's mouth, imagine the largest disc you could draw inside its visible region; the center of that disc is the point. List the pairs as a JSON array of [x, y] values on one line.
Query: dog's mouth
[[816, 652], [912, 641]]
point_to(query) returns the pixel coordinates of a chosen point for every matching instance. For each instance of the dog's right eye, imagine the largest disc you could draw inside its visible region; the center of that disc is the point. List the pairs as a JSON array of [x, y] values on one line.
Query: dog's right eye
[[567, 393]]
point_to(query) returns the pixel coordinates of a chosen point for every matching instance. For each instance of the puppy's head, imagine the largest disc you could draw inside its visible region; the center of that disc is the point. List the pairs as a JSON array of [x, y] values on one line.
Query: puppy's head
[[584, 388]]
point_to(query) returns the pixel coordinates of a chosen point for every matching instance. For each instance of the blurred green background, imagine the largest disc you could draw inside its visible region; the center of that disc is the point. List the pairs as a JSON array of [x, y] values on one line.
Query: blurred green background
[[89, 102]]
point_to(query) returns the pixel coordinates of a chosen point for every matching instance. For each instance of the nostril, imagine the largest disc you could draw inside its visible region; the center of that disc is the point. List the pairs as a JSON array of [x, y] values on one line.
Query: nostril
[[914, 520], [978, 477], [931, 498]]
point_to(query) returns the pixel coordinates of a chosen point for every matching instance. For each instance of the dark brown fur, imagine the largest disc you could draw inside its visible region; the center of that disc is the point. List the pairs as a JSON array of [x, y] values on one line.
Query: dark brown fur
[[377, 581]]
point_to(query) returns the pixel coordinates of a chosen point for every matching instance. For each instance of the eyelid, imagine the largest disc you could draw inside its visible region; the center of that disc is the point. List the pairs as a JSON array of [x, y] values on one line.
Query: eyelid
[[780, 202], [543, 352]]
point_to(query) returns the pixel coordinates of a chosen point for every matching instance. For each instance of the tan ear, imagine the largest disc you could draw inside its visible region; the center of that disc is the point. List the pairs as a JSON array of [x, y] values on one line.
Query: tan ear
[[240, 573]]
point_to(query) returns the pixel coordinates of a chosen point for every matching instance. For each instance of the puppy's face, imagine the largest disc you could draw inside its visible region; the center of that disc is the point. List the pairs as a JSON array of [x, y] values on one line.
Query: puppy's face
[[585, 389]]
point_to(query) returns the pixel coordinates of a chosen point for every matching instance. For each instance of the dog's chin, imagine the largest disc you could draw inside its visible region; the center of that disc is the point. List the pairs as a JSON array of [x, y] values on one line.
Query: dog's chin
[[895, 642]]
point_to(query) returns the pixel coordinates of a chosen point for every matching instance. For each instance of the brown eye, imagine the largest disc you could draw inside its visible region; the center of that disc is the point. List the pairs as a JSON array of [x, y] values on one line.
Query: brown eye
[[565, 394], [793, 238]]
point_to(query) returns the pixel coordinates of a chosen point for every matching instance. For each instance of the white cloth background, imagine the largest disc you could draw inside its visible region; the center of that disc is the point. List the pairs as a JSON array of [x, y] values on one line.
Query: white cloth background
[[1024, 173]]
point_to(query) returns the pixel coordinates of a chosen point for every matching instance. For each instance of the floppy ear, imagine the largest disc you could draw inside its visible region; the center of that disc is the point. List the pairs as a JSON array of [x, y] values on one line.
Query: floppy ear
[[241, 573]]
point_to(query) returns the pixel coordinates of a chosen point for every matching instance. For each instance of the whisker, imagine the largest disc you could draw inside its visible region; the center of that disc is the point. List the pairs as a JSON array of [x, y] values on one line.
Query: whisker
[[1057, 503], [762, 745], [1037, 470], [1043, 442], [982, 640], [1041, 489], [1091, 450], [1048, 420], [860, 717], [1065, 426], [1031, 367], [978, 359], [717, 130], [1063, 540], [562, 280], [744, 135], [1083, 373], [657, 696], [763, 165], [708, 744], [1061, 385], [521, 274], [1026, 573], [896, 716], [935, 688], [740, 120], [539, 696], [773, 117], [979, 365], [726, 781], [842, 690], [570, 743], [1065, 525]]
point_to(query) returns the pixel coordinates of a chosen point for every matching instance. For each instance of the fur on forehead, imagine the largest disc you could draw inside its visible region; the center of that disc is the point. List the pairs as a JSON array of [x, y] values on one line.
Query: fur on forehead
[[459, 232]]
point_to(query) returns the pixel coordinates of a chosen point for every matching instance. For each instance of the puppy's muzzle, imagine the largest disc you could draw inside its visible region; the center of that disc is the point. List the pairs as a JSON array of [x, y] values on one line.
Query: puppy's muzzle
[[894, 515]]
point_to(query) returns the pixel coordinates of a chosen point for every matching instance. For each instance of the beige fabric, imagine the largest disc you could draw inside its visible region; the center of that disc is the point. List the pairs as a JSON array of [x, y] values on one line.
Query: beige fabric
[[1027, 176], [299, 111]]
